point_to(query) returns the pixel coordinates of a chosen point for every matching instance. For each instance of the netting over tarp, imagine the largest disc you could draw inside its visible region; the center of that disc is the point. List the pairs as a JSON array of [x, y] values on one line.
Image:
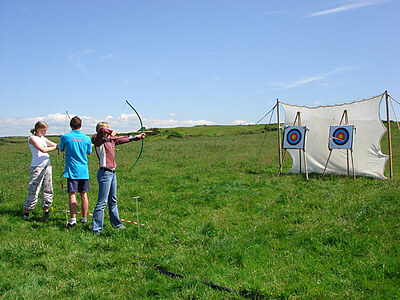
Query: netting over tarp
[[367, 155]]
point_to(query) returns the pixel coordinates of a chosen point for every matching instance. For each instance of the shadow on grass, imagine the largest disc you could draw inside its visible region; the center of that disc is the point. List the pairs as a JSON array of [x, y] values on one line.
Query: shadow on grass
[[255, 295], [37, 219], [11, 212]]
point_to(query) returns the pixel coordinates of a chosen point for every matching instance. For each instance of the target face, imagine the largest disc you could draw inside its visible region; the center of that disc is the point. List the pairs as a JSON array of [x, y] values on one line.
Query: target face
[[341, 137], [293, 137]]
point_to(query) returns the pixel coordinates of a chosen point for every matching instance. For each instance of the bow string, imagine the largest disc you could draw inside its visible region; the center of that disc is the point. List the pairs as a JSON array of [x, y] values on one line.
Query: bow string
[[141, 129]]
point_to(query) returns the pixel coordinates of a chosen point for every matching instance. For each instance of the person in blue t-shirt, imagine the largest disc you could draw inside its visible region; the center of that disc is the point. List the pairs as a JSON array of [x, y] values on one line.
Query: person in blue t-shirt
[[77, 146]]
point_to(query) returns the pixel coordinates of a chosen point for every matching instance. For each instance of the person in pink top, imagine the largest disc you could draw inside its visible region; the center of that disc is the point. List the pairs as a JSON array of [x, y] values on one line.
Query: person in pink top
[[104, 142], [40, 177]]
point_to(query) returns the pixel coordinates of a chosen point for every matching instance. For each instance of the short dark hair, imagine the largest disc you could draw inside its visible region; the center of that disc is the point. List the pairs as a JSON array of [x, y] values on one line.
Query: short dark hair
[[75, 123]]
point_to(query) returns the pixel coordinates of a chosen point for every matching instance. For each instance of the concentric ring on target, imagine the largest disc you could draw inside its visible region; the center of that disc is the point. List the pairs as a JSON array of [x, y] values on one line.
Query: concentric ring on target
[[293, 137], [340, 136]]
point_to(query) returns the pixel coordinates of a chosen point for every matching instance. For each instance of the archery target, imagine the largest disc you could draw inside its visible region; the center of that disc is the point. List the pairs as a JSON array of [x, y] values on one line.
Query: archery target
[[341, 137], [293, 137]]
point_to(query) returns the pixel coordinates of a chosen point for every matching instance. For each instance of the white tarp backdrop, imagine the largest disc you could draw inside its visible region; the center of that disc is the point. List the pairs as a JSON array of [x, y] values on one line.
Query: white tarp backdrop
[[367, 155]]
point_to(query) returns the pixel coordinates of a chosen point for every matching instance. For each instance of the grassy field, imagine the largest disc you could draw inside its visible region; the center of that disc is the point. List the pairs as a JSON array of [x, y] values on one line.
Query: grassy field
[[214, 211]]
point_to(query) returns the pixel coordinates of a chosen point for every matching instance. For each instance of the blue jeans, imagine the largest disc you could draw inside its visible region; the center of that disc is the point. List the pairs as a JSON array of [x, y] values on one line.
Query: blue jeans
[[107, 195]]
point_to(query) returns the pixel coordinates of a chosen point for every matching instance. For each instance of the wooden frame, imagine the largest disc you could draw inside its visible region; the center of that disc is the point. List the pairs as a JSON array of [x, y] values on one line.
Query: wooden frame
[[346, 122], [298, 120]]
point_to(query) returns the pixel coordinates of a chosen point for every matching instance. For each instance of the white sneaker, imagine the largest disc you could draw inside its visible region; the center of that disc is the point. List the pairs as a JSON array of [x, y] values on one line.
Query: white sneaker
[[70, 225]]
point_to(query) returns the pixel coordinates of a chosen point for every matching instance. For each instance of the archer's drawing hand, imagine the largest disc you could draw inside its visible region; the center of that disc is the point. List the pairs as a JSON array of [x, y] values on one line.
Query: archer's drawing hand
[[140, 136]]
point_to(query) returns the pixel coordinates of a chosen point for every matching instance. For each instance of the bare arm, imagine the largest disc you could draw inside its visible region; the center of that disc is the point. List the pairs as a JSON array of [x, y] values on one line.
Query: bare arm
[[50, 143], [34, 142]]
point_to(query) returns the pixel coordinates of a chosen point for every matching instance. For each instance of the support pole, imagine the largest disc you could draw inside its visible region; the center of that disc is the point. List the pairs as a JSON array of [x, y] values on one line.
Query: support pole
[[137, 211], [352, 164], [298, 117], [279, 137], [300, 159], [326, 165], [280, 169], [305, 163], [389, 137]]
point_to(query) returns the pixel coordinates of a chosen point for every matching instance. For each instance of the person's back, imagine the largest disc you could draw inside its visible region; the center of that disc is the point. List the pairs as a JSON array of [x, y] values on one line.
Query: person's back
[[77, 145]]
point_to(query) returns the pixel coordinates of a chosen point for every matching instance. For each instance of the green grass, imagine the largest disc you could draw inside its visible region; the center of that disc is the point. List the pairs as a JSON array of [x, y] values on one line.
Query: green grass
[[215, 211]]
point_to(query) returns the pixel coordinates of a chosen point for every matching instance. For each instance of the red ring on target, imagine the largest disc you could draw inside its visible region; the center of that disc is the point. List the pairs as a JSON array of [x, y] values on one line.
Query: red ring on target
[[340, 136], [293, 137]]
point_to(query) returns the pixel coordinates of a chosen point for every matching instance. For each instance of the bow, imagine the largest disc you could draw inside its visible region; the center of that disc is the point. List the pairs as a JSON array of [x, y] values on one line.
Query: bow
[[141, 129]]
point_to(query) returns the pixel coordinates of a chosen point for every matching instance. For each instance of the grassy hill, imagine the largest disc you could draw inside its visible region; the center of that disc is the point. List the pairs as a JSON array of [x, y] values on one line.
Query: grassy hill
[[214, 211]]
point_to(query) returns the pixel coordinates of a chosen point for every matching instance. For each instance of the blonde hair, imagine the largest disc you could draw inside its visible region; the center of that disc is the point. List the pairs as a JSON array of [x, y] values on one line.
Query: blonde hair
[[100, 125], [39, 125]]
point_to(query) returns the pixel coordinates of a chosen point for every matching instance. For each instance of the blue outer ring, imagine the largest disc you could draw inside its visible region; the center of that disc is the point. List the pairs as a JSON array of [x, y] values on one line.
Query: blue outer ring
[[296, 141], [337, 132]]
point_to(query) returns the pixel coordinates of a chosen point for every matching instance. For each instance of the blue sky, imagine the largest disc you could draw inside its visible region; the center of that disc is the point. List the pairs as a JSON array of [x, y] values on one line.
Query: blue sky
[[184, 63]]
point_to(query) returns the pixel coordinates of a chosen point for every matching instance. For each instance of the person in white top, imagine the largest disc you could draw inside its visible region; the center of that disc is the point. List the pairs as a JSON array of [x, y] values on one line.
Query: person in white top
[[40, 171]]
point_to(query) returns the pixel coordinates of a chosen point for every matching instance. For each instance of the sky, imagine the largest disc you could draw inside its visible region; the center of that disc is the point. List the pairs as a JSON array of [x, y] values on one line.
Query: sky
[[187, 62]]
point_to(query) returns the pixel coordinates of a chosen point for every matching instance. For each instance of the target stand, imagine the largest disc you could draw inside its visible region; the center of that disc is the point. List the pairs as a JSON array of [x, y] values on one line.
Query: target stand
[[341, 137], [294, 137]]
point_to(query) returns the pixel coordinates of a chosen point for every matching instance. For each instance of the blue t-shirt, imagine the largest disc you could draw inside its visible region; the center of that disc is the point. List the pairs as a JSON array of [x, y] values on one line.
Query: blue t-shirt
[[77, 145]]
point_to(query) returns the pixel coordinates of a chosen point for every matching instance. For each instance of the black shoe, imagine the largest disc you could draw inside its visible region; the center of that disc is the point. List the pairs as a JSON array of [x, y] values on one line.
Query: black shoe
[[47, 214], [70, 225]]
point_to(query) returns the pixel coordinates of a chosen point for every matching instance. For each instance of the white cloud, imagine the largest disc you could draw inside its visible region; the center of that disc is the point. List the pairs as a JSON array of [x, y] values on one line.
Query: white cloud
[[289, 85], [76, 58], [59, 124], [345, 7], [242, 122], [106, 57], [161, 74], [318, 102], [21, 126], [172, 115], [175, 123], [306, 80]]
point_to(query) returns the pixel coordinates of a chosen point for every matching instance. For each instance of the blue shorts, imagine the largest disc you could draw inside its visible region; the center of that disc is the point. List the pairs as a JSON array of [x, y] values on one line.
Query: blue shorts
[[78, 185]]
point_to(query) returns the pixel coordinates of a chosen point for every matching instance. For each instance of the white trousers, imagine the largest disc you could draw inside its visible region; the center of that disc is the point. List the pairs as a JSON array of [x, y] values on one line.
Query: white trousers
[[40, 179]]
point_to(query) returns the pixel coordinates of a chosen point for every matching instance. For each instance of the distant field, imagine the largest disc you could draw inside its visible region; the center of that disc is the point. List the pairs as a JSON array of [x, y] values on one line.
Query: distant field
[[214, 211]]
